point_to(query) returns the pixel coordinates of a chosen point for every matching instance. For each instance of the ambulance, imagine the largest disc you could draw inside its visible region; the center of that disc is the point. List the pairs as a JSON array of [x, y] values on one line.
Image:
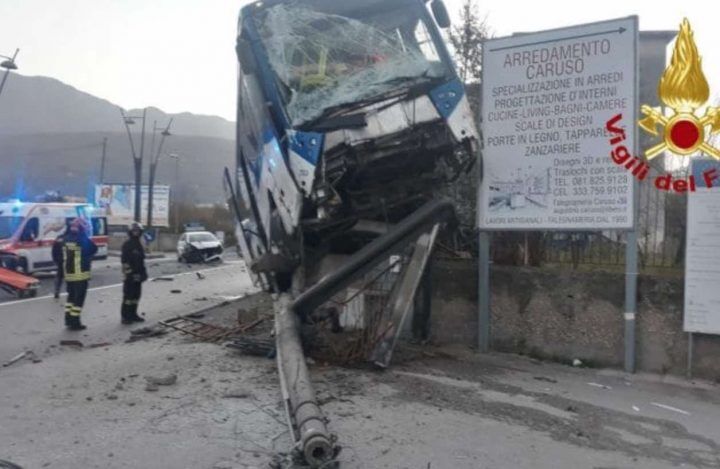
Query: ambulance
[[28, 231]]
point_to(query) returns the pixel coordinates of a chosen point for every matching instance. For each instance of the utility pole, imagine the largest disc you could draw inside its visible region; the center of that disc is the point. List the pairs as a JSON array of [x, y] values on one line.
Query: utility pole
[[137, 159], [154, 160], [102, 161], [8, 65], [138, 172], [176, 192]]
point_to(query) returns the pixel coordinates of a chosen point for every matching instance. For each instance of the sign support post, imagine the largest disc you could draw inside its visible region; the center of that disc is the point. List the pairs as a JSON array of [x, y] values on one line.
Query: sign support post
[[484, 291], [631, 248], [690, 356], [631, 277], [549, 100]]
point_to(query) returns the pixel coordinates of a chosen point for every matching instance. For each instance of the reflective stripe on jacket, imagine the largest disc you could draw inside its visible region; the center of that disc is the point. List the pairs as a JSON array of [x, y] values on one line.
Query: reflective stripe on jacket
[[78, 251]]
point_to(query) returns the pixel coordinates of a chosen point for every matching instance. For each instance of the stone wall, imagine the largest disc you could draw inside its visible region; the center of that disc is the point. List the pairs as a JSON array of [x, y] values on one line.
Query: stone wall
[[562, 315]]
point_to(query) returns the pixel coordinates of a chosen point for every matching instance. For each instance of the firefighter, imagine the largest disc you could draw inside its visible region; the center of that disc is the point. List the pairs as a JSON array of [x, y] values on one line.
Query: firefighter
[[133, 263], [78, 251], [57, 257]]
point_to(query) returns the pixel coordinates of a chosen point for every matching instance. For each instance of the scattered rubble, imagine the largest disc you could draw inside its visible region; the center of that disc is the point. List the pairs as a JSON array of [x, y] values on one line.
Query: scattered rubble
[[598, 385], [72, 343], [29, 354], [145, 333], [256, 346], [543, 378], [163, 279], [166, 380], [237, 395], [100, 345], [199, 330]]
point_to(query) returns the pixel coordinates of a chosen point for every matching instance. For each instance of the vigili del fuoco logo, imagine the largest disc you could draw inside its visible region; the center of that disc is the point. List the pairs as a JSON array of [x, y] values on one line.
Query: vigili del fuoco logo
[[684, 89]]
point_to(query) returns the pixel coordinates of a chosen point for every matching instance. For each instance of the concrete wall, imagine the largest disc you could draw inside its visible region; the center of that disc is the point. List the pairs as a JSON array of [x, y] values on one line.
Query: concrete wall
[[562, 315]]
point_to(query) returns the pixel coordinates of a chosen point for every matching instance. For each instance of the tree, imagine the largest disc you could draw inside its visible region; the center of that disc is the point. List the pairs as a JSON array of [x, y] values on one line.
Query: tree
[[466, 39]]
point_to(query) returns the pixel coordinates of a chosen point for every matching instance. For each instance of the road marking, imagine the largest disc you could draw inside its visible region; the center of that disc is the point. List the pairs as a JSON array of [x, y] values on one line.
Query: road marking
[[225, 265], [668, 407]]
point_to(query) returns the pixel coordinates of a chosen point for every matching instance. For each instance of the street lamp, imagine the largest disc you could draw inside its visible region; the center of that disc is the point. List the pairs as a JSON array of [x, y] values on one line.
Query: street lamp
[[137, 159], [153, 165], [8, 64]]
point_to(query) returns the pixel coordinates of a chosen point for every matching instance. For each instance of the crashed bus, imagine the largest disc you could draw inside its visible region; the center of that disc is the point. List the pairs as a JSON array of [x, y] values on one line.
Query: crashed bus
[[351, 118], [350, 114]]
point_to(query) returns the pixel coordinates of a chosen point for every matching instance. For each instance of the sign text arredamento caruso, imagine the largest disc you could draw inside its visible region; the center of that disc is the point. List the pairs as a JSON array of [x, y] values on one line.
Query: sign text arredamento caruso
[[547, 97]]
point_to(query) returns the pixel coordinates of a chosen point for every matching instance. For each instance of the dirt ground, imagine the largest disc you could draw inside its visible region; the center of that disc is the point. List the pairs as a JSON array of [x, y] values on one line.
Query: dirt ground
[[435, 408]]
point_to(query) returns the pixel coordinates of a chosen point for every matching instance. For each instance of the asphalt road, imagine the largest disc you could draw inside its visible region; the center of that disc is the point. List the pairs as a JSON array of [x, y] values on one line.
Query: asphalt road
[[108, 272], [36, 324]]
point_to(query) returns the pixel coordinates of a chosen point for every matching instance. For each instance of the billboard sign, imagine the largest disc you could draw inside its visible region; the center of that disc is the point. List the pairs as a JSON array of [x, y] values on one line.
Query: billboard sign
[[119, 199], [546, 101], [702, 258]]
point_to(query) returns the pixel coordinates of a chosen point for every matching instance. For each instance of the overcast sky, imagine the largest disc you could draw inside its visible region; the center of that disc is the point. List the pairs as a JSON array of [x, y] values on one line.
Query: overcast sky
[[179, 54]]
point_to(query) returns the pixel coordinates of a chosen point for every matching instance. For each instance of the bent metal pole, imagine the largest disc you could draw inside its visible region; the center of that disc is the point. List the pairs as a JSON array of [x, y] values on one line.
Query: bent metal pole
[[312, 436]]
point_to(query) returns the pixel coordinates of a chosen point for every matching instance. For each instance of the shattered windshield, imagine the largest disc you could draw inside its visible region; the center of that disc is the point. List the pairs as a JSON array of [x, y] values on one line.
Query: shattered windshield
[[326, 59]]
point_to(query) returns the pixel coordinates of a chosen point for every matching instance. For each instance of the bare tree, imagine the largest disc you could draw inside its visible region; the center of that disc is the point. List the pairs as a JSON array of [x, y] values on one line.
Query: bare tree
[[466, 39]]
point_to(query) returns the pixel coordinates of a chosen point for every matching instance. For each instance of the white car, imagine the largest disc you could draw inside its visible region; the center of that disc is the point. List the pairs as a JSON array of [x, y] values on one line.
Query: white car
[[199, 246]]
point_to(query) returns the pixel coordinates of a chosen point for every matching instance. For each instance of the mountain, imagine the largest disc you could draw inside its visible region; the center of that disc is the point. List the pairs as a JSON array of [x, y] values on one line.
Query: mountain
[[51, 139], [38, 105]]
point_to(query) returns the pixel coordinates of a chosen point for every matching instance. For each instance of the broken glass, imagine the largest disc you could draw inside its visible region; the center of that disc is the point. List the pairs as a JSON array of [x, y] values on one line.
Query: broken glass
[[324, 60]]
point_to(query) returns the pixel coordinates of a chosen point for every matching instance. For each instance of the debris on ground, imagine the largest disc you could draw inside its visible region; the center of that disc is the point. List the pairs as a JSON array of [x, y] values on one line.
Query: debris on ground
[[256, 346], [543, 378], [598, 385], [27, 354], [237, 395], [164, 380], [163, 279], [577, 362], [71, 343], [200, 275], [176, 292], [146, 333], [100, 345], [8, 465], [199, 330]]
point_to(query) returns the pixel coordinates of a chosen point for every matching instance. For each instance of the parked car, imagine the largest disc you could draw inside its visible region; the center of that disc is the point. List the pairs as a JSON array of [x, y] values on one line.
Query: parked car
[[199, 246]]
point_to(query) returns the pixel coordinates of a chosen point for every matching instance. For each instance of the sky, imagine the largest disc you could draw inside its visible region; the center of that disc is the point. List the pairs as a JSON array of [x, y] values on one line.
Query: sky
[[179, 55]]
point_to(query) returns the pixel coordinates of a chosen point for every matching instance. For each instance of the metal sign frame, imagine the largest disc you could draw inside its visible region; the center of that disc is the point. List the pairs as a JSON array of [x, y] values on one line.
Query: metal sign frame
[[631, 251], [632, 126]]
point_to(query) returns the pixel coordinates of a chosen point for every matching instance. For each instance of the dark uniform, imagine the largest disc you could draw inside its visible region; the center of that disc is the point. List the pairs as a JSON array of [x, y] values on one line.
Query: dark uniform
[[57, 257], [133, 263], [78, 251]]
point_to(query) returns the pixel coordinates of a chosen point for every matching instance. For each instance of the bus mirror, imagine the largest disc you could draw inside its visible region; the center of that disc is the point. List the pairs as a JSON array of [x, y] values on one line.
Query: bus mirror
[[246, 57], [441, 13]]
